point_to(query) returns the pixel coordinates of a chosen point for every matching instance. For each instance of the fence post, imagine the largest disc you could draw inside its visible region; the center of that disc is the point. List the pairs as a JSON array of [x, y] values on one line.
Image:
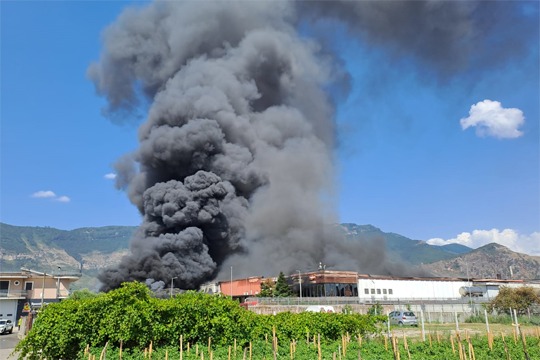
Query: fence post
[[423, 329], [517, 323], [487, 322]]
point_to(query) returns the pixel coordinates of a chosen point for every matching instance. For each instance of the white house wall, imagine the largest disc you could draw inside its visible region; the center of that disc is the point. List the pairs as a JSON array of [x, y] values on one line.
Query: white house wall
[[390, 289]]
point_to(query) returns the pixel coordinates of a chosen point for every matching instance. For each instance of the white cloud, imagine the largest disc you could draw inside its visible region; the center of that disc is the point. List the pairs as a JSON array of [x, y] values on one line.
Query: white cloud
[[523, 243], [110, 176], [44, 194], [491, 119], [48, 194]]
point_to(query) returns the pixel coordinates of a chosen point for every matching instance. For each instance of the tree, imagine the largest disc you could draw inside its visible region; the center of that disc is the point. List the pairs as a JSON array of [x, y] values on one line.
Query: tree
[[82, 294], [520, 299], [267, 288], [282, 287], [376, 309]]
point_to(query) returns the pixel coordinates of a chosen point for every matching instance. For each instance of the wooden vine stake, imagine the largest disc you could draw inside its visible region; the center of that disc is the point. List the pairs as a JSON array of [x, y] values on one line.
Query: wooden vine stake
[[181, 348], [505, 347], [209, 344], [166, 354], [452, 342], [291, 350], [458, 338], [406, 346], [319, 346], [120, 350], [524, 343], [490, 340], [244, 357], [104, 351]]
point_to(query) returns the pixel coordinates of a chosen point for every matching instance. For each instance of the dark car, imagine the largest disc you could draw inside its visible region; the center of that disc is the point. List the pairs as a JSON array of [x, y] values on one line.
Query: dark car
[[401, 318]]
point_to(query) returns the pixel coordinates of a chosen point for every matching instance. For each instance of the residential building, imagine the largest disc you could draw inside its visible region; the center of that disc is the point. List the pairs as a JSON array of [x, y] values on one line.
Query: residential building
[[27, 290]]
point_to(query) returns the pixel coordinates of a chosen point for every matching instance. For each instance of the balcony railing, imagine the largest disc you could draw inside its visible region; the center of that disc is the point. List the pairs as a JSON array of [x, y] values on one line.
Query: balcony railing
[[13, 293]]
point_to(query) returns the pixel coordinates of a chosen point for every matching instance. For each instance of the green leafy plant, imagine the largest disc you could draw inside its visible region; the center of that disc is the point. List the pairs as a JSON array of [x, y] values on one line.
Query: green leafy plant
[[131, 315]]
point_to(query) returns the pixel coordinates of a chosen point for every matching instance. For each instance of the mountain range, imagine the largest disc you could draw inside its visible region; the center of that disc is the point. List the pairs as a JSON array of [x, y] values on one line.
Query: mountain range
[[88, 250]]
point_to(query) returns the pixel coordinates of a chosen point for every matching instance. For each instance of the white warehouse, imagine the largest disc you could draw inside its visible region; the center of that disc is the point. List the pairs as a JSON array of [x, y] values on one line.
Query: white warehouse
[[386, 288]]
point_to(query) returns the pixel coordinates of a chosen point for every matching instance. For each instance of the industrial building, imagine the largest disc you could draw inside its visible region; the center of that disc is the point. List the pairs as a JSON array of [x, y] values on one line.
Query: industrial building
[[366, 288]]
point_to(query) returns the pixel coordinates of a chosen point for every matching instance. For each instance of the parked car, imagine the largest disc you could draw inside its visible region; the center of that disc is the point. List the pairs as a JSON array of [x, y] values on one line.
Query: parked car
[[6, 326], [401, 318], [320, 308]]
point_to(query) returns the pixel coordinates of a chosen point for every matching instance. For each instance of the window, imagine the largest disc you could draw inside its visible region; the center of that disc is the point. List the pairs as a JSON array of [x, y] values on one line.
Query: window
[[390, 292], [366, 291], [4, 287], [29, 285], [373, 291], [379, 291], [384, 291]]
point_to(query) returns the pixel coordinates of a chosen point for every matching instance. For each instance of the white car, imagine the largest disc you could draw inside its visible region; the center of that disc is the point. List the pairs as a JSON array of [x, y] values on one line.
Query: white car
[[320, 308], [6, 326], [403, 318]]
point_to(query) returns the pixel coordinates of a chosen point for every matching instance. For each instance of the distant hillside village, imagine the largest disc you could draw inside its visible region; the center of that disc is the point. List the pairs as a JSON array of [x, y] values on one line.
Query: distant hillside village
[[25, 292]]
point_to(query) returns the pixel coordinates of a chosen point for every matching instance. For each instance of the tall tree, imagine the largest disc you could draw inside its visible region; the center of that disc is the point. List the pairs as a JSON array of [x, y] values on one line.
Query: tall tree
[[282, 287]]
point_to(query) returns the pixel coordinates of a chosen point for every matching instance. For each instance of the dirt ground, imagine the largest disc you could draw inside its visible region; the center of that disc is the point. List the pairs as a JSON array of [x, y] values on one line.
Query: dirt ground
[[444, 330]]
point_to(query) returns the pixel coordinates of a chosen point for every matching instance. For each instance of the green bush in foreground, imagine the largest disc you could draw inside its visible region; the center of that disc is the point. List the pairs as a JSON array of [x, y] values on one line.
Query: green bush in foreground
[[131, 315]]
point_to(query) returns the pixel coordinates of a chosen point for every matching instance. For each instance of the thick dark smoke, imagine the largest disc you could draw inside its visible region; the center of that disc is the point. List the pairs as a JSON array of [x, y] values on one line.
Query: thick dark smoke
[[235, 166]]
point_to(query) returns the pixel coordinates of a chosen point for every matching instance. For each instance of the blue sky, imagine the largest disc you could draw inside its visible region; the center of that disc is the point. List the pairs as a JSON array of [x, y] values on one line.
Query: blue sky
[[405, 162]]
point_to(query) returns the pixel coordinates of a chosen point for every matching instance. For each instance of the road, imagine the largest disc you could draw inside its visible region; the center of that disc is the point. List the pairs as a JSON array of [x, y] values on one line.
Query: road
[[7, 344]]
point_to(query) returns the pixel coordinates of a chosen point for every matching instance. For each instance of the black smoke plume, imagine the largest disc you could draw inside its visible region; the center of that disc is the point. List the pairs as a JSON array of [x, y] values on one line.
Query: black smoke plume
[[234, 166]]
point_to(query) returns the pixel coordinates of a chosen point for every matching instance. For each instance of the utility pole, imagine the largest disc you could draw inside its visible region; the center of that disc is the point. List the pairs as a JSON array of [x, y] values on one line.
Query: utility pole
[[300, 283], [43, 289], [231, 283], [58, 284], [172, 282]]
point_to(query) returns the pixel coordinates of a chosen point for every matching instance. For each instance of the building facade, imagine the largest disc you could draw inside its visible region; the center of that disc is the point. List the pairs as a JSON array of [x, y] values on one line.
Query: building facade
[[27, 290]]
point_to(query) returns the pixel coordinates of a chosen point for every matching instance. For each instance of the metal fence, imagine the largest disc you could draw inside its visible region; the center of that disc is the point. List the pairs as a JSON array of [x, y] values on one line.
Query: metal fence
[[433, 311]]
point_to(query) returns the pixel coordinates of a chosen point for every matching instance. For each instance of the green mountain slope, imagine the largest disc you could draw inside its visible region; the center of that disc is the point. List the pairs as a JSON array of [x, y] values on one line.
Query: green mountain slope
[[401, 248], [489, 261], [46, 249]]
